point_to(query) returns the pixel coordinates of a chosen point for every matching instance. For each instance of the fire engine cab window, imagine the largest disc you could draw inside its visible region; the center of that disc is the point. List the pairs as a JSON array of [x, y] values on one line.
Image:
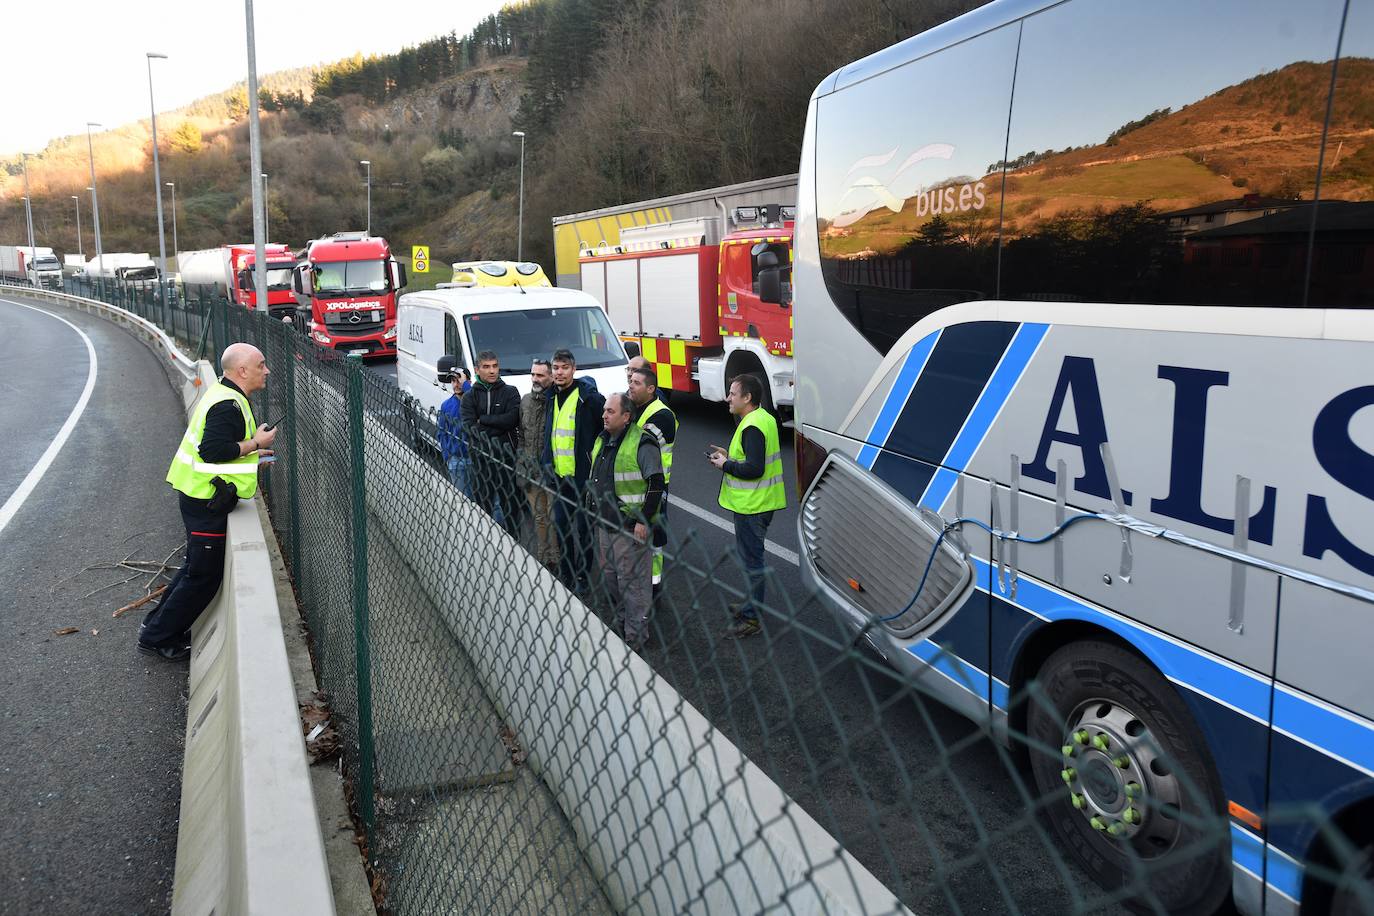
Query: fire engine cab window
[[1172, 156], [908, 185], [781, 259]]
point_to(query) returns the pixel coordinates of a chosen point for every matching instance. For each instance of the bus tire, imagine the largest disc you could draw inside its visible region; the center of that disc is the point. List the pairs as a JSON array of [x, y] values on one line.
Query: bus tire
[[1144, 810]]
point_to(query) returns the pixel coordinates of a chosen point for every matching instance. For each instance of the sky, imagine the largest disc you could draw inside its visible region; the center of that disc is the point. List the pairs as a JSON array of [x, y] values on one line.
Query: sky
[[86, 63]]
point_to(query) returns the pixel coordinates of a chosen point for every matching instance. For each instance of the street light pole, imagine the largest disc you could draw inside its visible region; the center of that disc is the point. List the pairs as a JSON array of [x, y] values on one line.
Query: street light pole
[[95, 202], [266, 210], [28, 210], [175, 247], [157, 183], [81, 252], [255, 161], [368, 163], [520, 223]]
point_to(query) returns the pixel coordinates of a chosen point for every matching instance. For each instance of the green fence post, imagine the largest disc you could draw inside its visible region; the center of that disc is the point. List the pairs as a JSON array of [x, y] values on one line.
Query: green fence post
[[362, 637], [291, 453]]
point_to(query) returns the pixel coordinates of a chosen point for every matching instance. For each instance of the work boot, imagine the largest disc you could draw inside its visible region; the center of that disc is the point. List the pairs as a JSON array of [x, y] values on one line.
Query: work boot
[[176, 653]]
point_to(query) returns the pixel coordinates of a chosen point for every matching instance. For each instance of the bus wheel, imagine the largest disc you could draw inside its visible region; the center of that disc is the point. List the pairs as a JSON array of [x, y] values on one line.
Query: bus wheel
[[1131, 795]]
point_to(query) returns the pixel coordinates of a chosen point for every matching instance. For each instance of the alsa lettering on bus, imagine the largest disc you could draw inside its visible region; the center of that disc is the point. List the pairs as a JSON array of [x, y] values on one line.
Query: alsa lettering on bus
[[1333, 445]]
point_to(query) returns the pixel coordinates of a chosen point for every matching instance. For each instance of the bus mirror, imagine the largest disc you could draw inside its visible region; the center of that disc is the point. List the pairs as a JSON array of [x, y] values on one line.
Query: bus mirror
[[770, 285]]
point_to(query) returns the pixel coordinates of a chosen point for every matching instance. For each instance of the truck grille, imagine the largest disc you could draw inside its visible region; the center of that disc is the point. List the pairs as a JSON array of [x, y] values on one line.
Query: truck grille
[[370, 322], [856, 527]]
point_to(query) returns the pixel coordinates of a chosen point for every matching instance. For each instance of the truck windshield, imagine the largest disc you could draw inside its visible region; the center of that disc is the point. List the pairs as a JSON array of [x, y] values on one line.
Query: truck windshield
[[342, 277], [47, 264], [518, 337], [278, 278]]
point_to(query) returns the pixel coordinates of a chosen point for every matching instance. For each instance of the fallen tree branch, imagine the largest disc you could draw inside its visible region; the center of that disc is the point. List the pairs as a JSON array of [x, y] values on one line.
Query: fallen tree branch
[[140, 602]]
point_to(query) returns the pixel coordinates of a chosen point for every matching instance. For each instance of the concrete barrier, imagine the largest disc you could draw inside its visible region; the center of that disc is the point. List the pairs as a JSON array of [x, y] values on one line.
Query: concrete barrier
[[249, 840], [670, 814]]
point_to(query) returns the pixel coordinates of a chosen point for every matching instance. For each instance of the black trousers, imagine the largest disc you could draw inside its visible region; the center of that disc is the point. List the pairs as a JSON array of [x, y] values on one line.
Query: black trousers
[[196, 583], [574, 532], [493, 467]]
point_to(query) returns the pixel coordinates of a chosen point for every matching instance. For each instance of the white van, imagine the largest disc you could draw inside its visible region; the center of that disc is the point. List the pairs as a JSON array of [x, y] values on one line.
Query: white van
[[519, 324]]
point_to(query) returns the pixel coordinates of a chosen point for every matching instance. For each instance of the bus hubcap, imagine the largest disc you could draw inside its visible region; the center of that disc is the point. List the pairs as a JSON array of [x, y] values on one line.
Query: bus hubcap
[[1118, 778]]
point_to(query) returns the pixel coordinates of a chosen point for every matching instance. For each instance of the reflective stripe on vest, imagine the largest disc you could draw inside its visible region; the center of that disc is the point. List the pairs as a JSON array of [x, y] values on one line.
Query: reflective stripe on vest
[[767, 493], [190, 475], [665, 448], [630, 486], [563, 440]]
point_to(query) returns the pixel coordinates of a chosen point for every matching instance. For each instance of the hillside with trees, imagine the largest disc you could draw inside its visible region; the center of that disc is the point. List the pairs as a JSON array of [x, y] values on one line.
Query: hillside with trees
[[619, 101]]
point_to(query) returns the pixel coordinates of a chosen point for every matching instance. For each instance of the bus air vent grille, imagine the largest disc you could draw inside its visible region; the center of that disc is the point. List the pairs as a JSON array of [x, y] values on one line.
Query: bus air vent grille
[[856, 530]]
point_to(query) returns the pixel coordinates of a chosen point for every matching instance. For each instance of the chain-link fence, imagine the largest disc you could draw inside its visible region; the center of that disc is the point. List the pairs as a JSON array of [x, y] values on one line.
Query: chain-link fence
[[510, 751]]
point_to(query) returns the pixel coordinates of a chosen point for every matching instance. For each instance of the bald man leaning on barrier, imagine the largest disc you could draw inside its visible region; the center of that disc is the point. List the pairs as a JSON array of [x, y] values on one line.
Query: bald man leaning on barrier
[[216, 465]]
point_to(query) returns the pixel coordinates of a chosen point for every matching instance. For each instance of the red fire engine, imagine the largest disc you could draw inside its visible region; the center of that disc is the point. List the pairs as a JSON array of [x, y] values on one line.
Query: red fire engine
[[701, 307]]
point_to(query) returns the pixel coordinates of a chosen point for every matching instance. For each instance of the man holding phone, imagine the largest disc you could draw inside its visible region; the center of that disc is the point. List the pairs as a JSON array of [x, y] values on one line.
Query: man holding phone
[[752, 488], [216, 465]]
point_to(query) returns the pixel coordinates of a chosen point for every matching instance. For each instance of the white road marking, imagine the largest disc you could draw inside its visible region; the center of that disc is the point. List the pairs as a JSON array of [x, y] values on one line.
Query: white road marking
[[706, 516], [29, 483]]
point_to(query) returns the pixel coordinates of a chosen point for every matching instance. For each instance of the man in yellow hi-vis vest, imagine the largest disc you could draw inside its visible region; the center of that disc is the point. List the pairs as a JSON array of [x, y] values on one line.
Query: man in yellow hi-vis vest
[[656, 418], [215, 465], [574, 422], [752, 488]]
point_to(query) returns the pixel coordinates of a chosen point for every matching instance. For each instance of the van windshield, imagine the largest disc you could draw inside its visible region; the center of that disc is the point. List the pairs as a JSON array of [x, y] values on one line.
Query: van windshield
[[521, 336]]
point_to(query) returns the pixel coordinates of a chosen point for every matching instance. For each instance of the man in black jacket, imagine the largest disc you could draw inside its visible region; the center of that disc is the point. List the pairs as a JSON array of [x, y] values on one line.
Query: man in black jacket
[[574, 422], [491, 419]]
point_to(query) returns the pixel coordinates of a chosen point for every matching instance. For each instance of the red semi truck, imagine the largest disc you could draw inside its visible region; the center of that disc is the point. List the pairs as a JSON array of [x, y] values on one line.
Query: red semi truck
[[703, 307], [350, 281], [230, 270]]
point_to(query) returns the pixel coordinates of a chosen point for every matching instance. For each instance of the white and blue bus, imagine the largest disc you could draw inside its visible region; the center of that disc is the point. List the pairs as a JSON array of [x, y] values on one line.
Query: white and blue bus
[[1085, 418]]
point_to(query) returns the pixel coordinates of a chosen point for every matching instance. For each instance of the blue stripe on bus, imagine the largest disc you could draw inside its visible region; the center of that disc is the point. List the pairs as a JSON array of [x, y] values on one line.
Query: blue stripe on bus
[[1267, 863], [897, 395], [1247, 850], [952, 666], [1234, 687], [980, 419], [1283, 873], [1342, 737]]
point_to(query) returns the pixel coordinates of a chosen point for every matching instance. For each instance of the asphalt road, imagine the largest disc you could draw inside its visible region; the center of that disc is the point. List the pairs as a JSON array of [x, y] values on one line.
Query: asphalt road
[[915, 791], [91, 731]]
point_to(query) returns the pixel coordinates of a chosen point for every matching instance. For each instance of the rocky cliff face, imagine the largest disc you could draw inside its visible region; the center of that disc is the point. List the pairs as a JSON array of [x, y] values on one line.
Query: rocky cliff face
[[480, 103]]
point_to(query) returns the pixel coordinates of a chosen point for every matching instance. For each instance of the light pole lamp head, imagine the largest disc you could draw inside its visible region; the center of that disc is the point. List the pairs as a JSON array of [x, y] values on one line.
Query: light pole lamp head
[[154, 54], [517, 133], [92, 124], [366, 162], [170, 184]]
